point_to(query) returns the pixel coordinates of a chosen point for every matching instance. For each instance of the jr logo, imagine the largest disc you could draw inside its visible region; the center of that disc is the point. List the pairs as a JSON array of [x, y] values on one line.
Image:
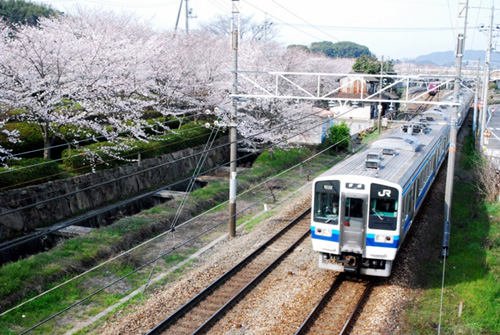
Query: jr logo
[[384, 193]]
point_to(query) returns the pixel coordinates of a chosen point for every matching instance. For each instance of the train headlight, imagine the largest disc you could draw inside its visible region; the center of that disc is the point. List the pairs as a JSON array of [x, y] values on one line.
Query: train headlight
[[384, 238], [323, 232]]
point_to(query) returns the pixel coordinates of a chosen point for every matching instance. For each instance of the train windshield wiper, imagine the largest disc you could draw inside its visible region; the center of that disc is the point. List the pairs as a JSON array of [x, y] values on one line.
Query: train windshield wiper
[[377, 214]]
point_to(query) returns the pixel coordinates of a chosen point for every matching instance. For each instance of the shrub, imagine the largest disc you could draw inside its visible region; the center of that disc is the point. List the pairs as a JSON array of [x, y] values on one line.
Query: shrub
[[31, 138], [188, 135], [29, 171], [29, 135], [337, 134]]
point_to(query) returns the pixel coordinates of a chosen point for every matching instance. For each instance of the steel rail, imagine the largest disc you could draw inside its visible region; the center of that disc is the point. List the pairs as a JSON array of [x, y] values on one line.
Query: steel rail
[[183, 310], [319, 306], [318, 309], [350, 321]]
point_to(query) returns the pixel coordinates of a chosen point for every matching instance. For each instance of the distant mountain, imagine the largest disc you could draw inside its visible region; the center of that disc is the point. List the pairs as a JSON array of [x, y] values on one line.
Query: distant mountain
[[447, 58]]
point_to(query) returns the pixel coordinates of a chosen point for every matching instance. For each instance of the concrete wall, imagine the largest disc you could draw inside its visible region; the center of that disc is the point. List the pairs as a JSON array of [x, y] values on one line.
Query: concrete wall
[[47, 213]]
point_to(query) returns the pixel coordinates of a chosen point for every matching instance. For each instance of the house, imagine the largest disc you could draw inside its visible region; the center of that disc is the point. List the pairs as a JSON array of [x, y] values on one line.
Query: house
[[358, 115]]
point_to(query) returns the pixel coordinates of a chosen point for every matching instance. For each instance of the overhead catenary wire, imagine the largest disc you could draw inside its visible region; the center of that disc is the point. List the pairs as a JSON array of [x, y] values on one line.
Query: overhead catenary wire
[[86, 167], [219, 6], [378, 29], [150, 193], [141, 171], [285, 23], [197, 170], [76, 143], [160, 256], [132, 5], [303, 20], [146, 194], [93, 164]]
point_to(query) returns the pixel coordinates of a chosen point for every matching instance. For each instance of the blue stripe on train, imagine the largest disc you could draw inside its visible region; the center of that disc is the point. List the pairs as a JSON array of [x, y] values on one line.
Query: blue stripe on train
[[370, 239], [370, 242]]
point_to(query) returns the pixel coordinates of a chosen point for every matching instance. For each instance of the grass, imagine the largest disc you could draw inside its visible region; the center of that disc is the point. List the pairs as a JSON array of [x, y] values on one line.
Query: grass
[[253, 222], [472, 281], [26, 278]]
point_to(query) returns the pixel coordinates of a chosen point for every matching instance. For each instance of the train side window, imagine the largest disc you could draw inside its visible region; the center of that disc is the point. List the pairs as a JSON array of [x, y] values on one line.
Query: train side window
[[411, 203], [405, 207]]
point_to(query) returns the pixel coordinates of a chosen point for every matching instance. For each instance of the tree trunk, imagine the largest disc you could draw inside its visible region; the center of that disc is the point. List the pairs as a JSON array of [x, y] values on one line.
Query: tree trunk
[[165, 125], [47, 141]]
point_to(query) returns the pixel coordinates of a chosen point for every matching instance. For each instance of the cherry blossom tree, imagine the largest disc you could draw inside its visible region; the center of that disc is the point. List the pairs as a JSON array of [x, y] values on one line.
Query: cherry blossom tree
[[37, 76], [184, 70], [97, 72], [273, 120], [85, 71], [114, 72], [12, 136]]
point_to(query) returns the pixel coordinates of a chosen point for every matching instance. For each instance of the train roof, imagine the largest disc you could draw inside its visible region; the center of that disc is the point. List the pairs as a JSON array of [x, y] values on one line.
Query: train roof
[[399, 155], [396, 156]]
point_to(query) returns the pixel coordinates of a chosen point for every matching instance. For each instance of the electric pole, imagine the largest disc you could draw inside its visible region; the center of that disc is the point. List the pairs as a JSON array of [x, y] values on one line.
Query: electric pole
[[178, 16], [453, 132], [187, 16], [380, 94], [234, 118], [486, 82], [476, 100], [450, 172]]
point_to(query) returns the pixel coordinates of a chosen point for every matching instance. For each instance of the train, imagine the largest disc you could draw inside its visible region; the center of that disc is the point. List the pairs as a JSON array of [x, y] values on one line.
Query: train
[[364, 207], [433, 88]]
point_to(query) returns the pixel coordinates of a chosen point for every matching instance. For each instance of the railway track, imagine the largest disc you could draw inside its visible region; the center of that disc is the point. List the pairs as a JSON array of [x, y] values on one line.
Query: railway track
[[339, 307], [200, 313]]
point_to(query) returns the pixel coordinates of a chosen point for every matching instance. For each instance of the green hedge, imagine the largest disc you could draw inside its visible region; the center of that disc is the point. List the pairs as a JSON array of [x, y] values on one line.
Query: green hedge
[[31, 138], [40, 170], [188, 135], [29, 135]]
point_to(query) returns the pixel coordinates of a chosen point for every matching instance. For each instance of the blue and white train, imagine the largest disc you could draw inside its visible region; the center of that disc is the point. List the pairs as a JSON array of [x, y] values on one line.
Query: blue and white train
[[363, 207]]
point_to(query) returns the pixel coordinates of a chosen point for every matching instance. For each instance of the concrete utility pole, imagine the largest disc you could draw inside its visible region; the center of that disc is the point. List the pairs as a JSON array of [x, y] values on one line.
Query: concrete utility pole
[[476, 100], [486, 82], [265, 27], [187, 16], [453, 134], [178, 16], [380, 94], [234, 118]]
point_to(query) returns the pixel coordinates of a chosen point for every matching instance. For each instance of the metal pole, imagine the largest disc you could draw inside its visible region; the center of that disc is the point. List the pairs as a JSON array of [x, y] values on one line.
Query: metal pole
[[265, 27], [453, 127], [476, 98], [234, 114], [380, 93], [178, 16], [187, 17], [486, 82]]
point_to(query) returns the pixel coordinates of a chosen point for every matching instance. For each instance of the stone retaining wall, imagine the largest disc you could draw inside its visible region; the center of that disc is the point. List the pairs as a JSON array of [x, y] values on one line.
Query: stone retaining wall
[[81, 193]]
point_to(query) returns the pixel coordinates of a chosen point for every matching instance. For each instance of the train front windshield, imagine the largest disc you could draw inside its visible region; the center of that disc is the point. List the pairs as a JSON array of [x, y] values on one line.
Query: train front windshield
[[383, 207], [326, 201]]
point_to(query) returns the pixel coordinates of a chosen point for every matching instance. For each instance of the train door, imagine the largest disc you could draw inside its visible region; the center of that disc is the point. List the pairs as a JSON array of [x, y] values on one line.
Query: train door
[[353, 224]]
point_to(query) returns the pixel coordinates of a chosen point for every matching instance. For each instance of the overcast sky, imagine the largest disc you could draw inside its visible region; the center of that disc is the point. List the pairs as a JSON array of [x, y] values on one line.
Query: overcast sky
[[394, 29]]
